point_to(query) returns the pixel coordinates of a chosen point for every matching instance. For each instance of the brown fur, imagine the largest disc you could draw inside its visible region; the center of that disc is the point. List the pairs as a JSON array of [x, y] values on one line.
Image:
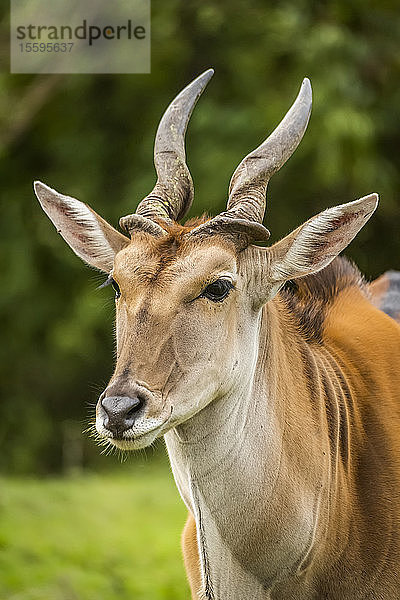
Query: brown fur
[[309, 298], [168, 247], [191, 556], [358, 410], [177, 231]]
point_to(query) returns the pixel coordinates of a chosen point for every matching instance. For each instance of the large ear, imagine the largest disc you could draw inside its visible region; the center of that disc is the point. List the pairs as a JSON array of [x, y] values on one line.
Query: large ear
[[315, 244], [89, 236]]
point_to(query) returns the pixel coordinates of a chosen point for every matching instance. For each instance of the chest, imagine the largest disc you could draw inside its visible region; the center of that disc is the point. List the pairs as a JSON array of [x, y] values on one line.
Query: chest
[[246, 539]]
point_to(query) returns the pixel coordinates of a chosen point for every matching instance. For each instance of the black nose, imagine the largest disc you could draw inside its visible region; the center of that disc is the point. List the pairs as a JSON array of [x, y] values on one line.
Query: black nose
[[120, 412]]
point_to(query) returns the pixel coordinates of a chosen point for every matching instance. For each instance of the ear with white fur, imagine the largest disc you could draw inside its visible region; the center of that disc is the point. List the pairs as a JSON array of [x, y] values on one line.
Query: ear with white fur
[[89, 236], [315, 244]]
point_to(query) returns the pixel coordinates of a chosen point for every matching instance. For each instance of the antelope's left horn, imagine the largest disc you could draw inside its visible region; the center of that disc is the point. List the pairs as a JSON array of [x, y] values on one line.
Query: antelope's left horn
[[248, 186], [242, 221]]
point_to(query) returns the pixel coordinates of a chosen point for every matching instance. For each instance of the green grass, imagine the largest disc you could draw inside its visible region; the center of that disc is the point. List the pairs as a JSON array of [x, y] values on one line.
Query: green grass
[[92, 537]]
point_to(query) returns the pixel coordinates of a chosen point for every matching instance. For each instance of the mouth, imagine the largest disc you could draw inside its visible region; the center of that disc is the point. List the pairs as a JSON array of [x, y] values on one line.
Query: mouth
[[139, 436], [135, 442]]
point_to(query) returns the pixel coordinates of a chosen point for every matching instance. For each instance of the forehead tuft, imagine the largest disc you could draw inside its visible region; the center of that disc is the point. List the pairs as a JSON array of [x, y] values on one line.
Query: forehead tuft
[[149, 258]]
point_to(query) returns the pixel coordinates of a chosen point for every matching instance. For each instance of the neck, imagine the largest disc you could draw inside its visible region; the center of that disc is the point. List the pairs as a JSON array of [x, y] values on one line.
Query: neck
[[253, 465]]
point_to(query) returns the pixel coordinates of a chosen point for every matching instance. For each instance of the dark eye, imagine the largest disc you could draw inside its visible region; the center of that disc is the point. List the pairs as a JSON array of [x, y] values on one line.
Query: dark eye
[[218, 290], [111, 281], [116, 288]]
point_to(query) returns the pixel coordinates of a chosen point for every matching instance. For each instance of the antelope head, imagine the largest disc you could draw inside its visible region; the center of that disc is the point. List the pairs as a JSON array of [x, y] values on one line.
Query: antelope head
[[189, 298]]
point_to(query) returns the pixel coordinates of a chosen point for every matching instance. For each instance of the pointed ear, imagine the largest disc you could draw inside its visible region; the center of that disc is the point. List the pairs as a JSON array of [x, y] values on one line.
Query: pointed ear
[[315, 244], [89, 236]]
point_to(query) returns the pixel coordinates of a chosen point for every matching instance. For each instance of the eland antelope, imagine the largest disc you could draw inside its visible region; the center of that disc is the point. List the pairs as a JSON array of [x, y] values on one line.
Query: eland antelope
[[270, 370]]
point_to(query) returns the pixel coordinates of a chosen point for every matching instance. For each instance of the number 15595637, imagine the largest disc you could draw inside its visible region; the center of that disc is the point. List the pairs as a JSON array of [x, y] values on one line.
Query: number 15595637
[[46, 46]]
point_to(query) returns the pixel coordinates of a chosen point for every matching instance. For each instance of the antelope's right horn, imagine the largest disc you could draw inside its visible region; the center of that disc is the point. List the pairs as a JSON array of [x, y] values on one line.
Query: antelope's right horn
[[173, 193]]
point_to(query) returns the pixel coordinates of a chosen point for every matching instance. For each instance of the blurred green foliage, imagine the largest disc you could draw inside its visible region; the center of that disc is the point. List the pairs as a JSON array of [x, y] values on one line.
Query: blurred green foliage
[[88, 537], [92, 137]]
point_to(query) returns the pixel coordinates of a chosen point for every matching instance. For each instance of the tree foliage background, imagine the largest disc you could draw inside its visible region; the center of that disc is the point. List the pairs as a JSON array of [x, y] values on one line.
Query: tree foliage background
[[92, 137]]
